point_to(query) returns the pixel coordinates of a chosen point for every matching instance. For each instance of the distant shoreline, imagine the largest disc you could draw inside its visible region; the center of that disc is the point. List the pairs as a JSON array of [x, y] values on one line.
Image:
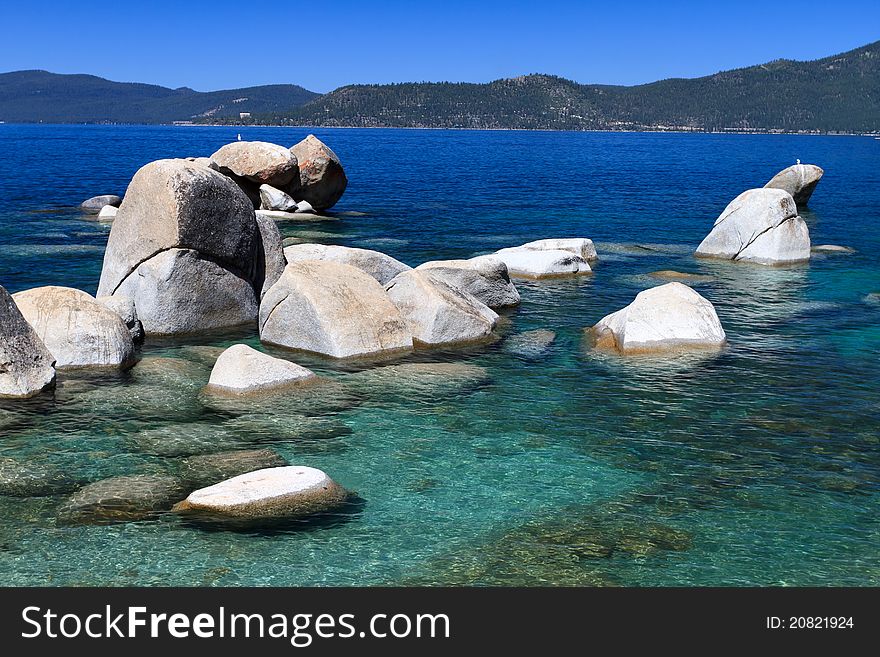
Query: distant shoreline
[[359, 127]]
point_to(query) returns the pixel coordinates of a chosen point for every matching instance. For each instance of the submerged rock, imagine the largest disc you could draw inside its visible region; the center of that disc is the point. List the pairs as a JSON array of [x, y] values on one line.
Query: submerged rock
[[530, 344], [332, 309], [378, 265], [278, 215], [242, 370], [672, 275], [122, 499], [486, 278], [423, 381], [525, 262], [799, 180], [275, 199], [26, 365], [437, 313], [285, 427], [25, 478], [210, 469], [77, 329], [670, 317], [267, 495], [185, 438], [761, 226], [95, 204], [258, 161], [832, 248], [125, 308], [322, 180]]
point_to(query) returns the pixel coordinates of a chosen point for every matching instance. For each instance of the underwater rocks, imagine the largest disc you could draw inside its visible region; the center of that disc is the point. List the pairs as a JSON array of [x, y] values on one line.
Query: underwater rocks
[[122, 499], [210, 469], [272, 494], [26, 365], [77, 330], [95, 204], [485, 278], [799, 180], [422, 381], [332, 309], [530, 344], [671, 317], [185, 439], [19, 478], [322, 179], [760, 226], [242, 370], [672, 275], [184, 246], [437, 313], [832, 248], [380, 266]]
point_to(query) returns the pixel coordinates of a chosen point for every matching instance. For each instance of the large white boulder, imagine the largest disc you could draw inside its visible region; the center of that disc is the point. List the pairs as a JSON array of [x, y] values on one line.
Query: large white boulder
[[761, 226], [95, 204], [26, 365], [77, 330], [333, 309], [108, 213], [525, 262], [437, 313], [580, 246], [242, 369], [380, 266], [322, 180], [671, 317], [174, 207], [799, 180], [271, 494], [486, 278], [178, 292], [272, 198]]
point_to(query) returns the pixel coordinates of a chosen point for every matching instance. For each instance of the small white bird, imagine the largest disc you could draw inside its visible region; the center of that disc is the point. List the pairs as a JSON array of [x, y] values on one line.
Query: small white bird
[[798, 161], [239, 139]]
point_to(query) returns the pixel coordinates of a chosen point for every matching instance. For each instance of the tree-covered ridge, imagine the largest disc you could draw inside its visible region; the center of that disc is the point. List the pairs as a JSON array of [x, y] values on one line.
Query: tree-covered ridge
[[33, 96], [838, 93]]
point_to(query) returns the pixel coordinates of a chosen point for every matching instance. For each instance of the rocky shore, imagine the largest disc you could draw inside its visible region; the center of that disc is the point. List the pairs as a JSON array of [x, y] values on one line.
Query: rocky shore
[[194, 247]]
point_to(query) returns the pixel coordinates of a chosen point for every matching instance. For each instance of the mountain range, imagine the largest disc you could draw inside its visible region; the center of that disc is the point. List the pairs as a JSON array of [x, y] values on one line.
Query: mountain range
[[840, 93]]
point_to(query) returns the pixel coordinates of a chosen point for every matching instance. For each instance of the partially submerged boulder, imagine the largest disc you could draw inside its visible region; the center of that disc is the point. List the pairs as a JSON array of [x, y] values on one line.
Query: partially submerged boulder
[[272, 198], [26, 365], [209, 469], [671, 317], [760, 226], [580, 246], [125, 308], [242, 370], [95, 204], [322, 180], [270, 261], [380, 266], [178, 292], [122, 499], [108, 213], [77, 330], [184, 247], [486, 278], [258, 161], [530, 344], [332, 309], [523, 262], [437, 313], [799, 180], [268, 495]]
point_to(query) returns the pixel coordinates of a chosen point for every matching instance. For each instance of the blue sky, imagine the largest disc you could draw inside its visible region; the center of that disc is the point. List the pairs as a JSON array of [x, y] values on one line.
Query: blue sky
[[323, 45]]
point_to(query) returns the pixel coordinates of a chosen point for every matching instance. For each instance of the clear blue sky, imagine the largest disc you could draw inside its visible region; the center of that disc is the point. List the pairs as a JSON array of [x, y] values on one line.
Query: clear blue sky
[[323, 45]]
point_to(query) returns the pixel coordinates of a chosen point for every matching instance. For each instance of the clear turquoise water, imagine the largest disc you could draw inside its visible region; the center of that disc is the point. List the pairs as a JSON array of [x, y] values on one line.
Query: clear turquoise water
[[758, 466]]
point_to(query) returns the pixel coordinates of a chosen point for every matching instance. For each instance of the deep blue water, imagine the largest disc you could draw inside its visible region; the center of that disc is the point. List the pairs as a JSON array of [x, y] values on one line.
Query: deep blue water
[[757, 466]]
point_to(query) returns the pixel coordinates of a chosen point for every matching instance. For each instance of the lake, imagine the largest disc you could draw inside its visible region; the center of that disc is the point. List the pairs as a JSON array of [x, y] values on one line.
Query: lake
[[756, 466]]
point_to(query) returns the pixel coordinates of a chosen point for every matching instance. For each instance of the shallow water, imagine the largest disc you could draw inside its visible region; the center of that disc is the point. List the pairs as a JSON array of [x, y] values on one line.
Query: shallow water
[[759, 465]]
